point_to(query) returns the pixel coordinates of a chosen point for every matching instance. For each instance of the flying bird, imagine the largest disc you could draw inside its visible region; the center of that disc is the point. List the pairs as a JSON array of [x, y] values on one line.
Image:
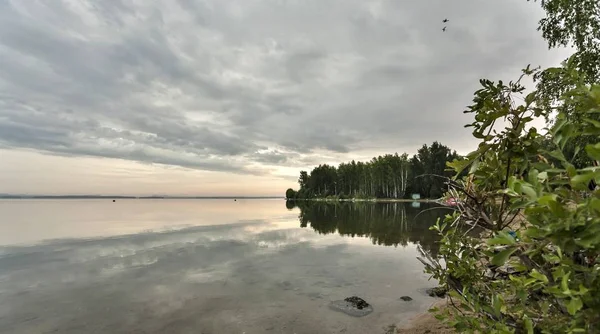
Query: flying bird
[[444, 29], [445, 20]]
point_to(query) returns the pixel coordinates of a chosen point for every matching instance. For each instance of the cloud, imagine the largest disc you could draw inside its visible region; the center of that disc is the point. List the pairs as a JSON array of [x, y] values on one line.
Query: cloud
[[240, 86]]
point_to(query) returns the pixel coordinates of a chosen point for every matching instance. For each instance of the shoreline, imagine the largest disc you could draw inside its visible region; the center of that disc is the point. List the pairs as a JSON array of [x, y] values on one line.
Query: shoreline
[[374, 200], [426, 322]]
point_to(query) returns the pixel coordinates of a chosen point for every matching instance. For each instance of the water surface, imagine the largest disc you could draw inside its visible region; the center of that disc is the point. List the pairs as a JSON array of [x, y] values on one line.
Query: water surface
[[208, 266]]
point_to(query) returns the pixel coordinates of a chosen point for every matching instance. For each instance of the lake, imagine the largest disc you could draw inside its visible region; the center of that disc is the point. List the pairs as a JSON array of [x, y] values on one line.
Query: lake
[[209, 266]]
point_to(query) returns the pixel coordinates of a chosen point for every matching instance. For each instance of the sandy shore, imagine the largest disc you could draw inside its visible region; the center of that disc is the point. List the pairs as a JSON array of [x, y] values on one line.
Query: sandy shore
[[426, 323]]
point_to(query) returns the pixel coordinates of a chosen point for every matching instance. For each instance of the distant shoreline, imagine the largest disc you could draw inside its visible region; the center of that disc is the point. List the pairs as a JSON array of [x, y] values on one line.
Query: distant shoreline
[[74, 197], [134, 197], [375, 200]]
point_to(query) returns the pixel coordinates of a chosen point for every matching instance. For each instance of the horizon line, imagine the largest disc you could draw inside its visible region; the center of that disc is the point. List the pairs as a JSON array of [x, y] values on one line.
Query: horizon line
[[5, 196]]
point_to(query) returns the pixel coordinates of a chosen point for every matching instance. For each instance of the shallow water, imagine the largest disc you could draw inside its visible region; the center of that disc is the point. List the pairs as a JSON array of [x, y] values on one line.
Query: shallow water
[[208, 266]]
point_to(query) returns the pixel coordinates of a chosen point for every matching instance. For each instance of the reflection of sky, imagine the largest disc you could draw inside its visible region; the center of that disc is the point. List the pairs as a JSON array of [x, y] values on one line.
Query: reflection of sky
[[28, 221], [263, 272]]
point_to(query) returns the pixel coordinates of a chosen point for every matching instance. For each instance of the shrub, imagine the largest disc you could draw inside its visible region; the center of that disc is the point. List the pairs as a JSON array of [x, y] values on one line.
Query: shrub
[[536, 268]]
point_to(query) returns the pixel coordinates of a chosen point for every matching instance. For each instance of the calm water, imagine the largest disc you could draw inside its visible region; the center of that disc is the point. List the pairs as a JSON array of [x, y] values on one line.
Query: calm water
[[208, 266]]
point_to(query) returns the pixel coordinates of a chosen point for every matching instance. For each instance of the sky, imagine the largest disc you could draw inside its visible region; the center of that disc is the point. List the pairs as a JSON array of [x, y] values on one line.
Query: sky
[[235, 97]]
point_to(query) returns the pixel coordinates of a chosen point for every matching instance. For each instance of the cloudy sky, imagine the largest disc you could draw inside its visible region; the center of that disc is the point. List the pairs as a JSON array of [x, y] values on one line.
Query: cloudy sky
[[234, 97]]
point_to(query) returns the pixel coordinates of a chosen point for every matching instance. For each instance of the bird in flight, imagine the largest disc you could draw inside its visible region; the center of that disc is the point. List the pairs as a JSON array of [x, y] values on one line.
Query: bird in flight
[[445, 20], [444, 29]]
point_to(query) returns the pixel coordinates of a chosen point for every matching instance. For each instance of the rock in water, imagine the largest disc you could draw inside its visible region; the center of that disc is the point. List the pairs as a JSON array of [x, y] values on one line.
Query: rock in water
[[353, 306], [439, 292], [359, 303], [406, 298]]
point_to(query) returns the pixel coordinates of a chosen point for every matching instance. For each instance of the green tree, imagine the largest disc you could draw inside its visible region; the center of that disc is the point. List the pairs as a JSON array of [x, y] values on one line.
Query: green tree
[[303, 179], [429, 167], [387, 176], [576, 24], [290, 194], [570, 23]]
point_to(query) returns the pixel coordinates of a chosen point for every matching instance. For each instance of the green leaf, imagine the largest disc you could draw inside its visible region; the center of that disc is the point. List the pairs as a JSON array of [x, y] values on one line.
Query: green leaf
[[543, 176], [500, 258], [529, 191], [528, 324], [533, 176], [571, 170], [496, 304], [519, 267], [595, 204], [577, 149], [574, 305], [559, 252], [593, 122], [564, 284], [511, 182], [582, 179], [502, 238], [459, 165], [535, 232], [474, 166], [545, 306], [591, 132], [588, 240], [546, 199], [522, 295], [557, 154], [539, 276], [529, 281], [530, 97], [593, 151]]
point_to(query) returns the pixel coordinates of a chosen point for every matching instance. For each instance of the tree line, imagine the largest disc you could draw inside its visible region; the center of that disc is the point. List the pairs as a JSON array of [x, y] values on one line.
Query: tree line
[[388, 176]]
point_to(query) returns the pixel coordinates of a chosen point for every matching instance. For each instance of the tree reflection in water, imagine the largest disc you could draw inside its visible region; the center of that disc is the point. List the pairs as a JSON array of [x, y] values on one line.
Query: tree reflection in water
[[389, 224]]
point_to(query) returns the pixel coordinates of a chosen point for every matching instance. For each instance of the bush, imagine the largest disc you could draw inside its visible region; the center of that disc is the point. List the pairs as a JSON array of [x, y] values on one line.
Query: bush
[[536, 267]]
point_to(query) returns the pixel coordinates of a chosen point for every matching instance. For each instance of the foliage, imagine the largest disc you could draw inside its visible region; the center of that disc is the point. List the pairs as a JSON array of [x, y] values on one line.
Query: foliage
[[388, 176], [290, 193], [573, 24], [545, 277], [427, 166]]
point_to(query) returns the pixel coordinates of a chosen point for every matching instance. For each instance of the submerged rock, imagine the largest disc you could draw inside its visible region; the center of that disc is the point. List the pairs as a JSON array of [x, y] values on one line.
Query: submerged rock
[[406, 298], [353, 306], [359, 303], [439, 292]]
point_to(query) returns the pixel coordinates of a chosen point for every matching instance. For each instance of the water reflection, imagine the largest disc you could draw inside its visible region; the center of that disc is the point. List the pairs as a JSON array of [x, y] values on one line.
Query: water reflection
[[238, 266], [388, 224]]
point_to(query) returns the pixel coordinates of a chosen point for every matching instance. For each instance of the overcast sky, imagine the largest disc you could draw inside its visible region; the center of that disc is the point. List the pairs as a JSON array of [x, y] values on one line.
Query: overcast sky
[[228, 97]]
